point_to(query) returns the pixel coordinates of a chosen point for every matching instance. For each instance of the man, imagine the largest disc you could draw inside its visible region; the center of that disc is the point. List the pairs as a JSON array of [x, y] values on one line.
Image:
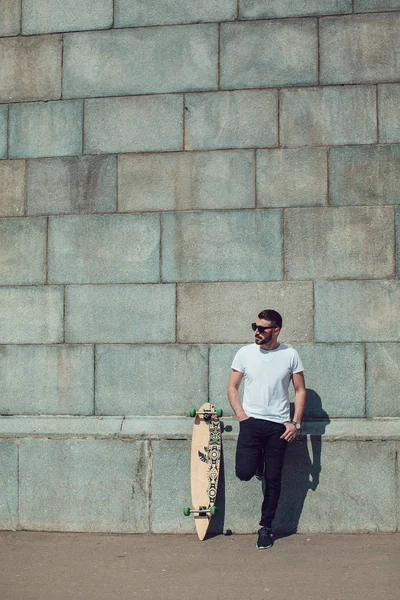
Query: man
[[265, 426]]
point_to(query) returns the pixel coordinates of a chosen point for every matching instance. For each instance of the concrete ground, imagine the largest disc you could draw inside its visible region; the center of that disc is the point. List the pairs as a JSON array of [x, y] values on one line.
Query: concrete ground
[[61, 566]]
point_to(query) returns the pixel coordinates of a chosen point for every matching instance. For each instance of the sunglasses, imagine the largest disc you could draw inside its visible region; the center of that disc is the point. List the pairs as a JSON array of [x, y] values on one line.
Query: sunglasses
[[260, 328]]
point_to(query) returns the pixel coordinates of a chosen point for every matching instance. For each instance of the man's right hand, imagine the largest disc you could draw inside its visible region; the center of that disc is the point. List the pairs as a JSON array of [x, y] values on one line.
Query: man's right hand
[[243, 417]]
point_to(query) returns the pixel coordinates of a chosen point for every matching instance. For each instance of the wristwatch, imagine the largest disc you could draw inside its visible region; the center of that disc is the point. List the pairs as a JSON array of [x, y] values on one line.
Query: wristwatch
[[297, 425]]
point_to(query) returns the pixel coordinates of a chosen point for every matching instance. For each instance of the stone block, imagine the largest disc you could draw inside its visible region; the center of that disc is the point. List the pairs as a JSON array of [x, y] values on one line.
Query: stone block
[[3, 130], [104, 249], [383, 381], [170, 12], [327, 488], [334, 375], [243, 119], [84, 184], [389, 113], [22, 251], [375, 5], [120, 313], [148, 124], [185, 180], [340, 242], [328, 116], [46, 380], [30, 68], [221, 358], [213, 302], [31, 315], [46, 16], [264, 54], [141, 61], [364, 175], [171, 487], [357, 311], [359, 48], [40, 129], [60, 427], [137, 380], [274, 9], [84, 485], [157, 428], [10, 23], [224, 246], [370, 430], [292, 177], [9, 484], [12, 188]]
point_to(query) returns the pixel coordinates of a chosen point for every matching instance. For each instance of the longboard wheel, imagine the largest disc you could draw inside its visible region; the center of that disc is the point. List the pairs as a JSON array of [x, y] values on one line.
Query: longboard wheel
[[186, 511], [213, 510], [192, 412], [220, 412]]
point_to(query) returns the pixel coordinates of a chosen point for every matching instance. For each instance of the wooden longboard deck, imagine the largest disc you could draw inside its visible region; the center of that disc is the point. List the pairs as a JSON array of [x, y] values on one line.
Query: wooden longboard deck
[[204, 465]]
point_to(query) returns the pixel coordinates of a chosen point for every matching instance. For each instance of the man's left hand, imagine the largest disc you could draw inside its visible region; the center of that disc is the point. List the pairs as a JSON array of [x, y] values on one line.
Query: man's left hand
[[290, 433]]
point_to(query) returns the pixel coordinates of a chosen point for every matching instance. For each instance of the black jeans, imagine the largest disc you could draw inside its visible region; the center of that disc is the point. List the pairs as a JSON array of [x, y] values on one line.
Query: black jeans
[[259, 436]]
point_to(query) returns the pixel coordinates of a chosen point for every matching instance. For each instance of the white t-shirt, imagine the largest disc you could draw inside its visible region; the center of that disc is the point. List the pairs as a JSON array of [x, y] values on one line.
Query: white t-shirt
[[267, 375]]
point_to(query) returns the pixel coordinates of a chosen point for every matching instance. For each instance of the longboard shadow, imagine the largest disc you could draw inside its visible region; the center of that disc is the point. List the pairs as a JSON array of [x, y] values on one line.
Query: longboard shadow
[[217, 522]]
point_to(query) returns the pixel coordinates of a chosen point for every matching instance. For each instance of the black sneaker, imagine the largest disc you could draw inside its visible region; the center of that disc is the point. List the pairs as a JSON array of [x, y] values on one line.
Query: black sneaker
[[264, 538]]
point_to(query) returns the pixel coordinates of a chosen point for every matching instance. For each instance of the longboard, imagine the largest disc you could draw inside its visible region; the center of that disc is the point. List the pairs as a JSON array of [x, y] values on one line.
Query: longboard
[[204, 466]]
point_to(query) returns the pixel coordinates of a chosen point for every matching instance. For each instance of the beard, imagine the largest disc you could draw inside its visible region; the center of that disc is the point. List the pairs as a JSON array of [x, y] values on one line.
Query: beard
[[263, 339]]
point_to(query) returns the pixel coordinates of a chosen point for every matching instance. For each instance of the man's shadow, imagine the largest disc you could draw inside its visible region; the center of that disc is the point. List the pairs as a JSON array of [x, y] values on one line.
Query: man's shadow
[[302, 466]]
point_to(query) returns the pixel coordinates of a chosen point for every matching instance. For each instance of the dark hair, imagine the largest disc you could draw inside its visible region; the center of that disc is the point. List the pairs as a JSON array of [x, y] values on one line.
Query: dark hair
[[273, 316]]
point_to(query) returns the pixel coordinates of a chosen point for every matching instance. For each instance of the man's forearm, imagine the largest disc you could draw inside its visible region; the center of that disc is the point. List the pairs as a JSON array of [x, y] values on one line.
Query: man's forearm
[[299, 405], [234, 401]]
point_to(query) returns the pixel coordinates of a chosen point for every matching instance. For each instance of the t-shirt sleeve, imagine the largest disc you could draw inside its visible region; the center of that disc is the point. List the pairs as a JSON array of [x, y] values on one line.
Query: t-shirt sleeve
[[297, 365], [237, 362]]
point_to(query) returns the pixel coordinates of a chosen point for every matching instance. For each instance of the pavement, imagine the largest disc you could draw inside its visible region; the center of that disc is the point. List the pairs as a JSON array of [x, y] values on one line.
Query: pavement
[[90, 566]]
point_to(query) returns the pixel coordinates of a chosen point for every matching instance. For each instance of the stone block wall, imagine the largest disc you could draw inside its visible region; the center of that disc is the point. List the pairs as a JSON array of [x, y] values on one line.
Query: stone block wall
[[167, 170]]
